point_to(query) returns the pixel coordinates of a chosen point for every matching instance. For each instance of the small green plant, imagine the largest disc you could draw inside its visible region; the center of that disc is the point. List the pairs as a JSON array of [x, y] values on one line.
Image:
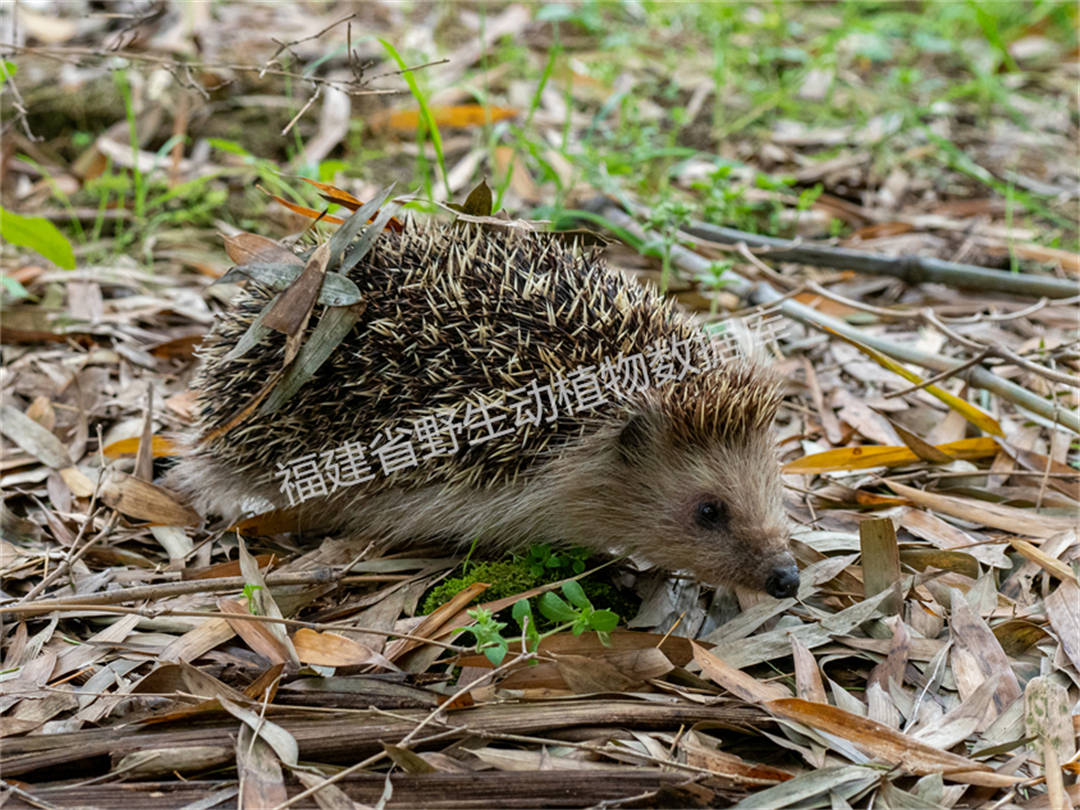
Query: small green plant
[[542, 560], [488, 635], [715, 277], [666, 220], [249, 594], [575, 613]]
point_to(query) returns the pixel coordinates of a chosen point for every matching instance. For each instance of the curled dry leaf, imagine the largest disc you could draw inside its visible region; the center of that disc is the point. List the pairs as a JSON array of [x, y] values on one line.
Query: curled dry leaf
[[145, 501], [330, 649]]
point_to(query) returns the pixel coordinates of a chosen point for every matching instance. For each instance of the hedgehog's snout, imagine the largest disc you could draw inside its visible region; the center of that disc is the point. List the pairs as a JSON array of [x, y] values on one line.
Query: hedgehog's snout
[[783, 580]]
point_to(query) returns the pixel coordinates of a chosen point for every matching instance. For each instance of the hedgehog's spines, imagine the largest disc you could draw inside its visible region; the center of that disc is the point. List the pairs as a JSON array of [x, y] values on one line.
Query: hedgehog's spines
[[450, 316]]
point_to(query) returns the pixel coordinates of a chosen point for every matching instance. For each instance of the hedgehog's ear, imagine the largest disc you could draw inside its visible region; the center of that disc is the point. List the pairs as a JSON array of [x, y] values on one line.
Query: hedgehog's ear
[[638, 433]]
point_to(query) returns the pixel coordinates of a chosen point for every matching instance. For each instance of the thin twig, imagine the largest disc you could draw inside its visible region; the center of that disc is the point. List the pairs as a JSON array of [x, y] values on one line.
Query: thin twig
[[304, 109], [944, 375], [351, 87], [930, 317], [18, 103], [156, 613], [216, 584], [287, 46]]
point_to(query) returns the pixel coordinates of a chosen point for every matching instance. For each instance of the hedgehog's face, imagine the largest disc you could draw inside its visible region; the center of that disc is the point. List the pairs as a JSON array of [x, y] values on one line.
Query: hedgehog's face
[[710, 507]]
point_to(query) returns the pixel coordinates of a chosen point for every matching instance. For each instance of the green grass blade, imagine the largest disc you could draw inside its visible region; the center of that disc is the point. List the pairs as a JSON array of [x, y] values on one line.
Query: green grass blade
[[425, 111]]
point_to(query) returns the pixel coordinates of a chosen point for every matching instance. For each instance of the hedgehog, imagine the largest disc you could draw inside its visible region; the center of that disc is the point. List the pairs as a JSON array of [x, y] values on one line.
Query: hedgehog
[[503, 386]]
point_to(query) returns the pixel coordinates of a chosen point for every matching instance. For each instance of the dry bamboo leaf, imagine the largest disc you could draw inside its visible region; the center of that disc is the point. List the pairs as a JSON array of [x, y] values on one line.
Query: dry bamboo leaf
[[262, 784], [175, 541], [960, 722], [95, 647], [408, 761], [77, 481], [1009, 518], [861, 458], [184, 678], [255, 634], [195, 643], [776, 643], [924, 450], [888, 744], [250, 248], [145, 501], [891, 670], [585, 674], [226, 569], [835, 781], [160, 447], [881, 561], [33, 438], [183, 404], [704, 752], [1040, 253], [945, 535], [808, 683], [436, 620], [143, 468], [335, 195], [281, 741], [42, 412], [1063, 610], [292, 309], [922, 558], [264, 688], [337, 290], [516, 760], [333, 326], [1043, 560], [273, 522], [623, 650], [521, 182], [1037, 462], [969, 632], [1016, 636], [735, 681], [264, 599], [179, 759], [329, 795], [329, 649]]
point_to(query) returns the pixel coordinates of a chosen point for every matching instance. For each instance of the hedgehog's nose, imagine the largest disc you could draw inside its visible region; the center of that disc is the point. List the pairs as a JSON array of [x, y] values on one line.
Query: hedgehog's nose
[[783, 581]]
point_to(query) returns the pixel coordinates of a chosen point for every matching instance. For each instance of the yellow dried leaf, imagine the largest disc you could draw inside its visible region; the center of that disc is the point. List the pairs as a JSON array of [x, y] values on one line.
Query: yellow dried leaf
[[861, 458], [160, 447]]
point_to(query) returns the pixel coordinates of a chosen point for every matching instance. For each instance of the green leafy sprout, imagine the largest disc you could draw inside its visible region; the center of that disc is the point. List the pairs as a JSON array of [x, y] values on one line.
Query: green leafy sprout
[[575, 613]]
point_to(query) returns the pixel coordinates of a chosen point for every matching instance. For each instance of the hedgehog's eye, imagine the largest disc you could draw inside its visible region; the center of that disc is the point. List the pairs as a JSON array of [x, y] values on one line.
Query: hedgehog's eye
[[711, 515]]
